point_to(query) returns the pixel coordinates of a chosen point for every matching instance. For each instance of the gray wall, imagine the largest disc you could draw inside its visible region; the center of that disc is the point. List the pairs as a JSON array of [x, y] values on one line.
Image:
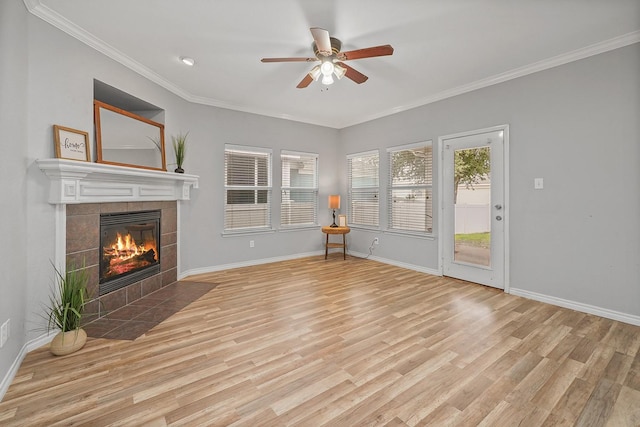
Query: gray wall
[[13, 203], [576, 126], [203, 247]]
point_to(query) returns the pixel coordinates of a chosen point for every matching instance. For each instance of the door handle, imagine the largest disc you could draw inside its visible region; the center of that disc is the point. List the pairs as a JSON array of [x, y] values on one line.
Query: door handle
[[499, 218]]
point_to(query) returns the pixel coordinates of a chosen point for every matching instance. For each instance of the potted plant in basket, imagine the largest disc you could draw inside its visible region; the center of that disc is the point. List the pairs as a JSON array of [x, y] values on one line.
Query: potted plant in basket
[[65, 310], [180, 149]]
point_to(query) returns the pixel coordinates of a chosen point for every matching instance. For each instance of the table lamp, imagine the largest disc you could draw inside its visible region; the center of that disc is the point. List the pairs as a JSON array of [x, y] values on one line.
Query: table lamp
[[334, 203]]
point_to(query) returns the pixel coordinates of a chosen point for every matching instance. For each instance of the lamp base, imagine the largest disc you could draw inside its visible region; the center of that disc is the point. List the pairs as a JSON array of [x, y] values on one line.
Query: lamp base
[[334, 219]]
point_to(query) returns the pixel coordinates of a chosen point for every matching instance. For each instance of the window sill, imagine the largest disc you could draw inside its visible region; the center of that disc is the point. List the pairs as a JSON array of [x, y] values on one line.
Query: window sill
[[233, 233], [286, 229], [414, 235], [364, 227]]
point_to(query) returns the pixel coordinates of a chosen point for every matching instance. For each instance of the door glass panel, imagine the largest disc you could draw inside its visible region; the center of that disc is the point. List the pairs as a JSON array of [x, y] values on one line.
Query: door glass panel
[[472, 203]]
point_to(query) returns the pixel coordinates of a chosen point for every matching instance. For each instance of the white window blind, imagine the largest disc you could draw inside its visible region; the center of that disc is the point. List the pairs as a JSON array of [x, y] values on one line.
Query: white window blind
[[363, 197], [247, 173], [299, 191], [410, 187]]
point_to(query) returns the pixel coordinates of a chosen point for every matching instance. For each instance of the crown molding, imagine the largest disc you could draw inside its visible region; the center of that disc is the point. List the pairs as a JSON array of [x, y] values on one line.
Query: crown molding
[[60, 22], [556, 61]]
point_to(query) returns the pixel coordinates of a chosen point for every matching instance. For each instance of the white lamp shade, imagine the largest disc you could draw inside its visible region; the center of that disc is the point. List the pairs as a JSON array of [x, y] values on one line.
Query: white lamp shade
[[327, 80], [315, 72]]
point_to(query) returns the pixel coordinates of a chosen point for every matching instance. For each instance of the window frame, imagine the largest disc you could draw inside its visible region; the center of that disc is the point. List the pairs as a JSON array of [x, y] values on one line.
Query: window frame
[[312, 190], [363, 192], [257, 153], [426, 188]]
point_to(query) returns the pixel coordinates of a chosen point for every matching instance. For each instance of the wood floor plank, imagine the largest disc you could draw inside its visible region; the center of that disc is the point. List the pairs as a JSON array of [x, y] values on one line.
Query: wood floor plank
[[554, 388], [626, 411], [600, 405], [571, 403], [312, 342]]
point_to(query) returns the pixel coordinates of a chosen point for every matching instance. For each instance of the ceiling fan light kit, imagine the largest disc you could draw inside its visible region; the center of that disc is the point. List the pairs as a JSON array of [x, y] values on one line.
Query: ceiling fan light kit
[[328, 51]]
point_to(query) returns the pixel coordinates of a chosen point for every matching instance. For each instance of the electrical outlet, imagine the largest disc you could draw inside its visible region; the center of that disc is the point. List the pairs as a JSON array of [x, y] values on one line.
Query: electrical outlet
[[4, 333], [252, 243], [376, 241]]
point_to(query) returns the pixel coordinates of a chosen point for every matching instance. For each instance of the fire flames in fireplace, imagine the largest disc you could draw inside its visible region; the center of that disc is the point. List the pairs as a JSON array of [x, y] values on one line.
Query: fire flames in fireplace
[[130, 244], [125, 254]]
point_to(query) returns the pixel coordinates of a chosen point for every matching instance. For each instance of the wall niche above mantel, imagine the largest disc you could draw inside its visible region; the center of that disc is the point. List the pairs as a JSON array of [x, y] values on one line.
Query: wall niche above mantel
[[128, 130]]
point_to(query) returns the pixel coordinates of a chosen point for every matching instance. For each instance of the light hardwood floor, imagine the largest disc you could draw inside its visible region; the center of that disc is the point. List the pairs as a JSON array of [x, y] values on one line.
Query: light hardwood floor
[[343, 343]]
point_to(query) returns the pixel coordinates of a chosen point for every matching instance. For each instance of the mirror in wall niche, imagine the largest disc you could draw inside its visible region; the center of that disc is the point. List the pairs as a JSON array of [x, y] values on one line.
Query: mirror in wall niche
[[128, 139]]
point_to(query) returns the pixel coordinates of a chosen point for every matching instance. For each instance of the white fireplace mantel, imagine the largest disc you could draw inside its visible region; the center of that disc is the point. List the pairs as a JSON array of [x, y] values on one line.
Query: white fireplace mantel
[[75, 181]]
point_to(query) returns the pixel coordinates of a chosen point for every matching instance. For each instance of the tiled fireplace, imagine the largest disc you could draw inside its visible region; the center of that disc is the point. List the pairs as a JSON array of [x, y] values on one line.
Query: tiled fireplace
[[85, 192], [83, 246]]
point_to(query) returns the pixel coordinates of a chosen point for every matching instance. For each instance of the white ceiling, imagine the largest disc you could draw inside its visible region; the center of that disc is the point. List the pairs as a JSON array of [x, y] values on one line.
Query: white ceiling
[[442, 48]]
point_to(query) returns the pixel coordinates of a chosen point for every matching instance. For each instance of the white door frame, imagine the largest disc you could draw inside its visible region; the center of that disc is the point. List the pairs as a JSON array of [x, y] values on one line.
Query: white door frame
[[506, 210]]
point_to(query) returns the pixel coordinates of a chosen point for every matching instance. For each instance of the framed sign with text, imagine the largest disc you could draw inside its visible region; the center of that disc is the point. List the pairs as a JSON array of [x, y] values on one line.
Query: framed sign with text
[[71, 143]]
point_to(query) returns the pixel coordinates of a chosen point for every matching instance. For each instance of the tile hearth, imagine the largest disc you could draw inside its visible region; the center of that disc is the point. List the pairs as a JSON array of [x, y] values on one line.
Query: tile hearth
[[135, 319]]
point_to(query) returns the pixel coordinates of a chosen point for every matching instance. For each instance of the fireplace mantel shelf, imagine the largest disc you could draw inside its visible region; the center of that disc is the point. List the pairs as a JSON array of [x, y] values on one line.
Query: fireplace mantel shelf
[[73, 181]]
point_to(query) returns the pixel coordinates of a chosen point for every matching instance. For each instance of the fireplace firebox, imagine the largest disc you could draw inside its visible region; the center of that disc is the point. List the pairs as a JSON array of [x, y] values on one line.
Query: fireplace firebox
[[130, 248]]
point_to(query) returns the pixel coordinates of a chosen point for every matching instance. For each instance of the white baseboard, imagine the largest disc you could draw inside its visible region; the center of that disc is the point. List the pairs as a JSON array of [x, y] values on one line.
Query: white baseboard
[[427, 270], [214, 268], [578, 306], [13, 370]]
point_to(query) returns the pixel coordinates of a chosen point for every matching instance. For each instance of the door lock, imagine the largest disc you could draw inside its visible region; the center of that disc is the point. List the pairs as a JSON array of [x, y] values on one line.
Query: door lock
[[498, 207]]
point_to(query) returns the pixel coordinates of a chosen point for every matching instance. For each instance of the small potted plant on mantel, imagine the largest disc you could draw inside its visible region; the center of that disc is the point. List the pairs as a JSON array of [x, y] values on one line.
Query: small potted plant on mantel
[[180, 149], [65, 310]]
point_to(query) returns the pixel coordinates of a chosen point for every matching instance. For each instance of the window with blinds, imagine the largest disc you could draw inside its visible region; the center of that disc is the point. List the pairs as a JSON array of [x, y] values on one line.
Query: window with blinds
[[247, 177], [299, 191], [363, 198], [410, 188]]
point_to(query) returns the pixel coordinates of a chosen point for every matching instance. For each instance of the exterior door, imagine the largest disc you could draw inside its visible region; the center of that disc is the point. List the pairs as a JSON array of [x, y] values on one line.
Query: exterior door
[[474, 223]]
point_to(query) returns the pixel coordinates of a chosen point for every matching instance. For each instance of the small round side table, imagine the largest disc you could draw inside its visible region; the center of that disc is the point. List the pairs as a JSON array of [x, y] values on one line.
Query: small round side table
[[328, 230]]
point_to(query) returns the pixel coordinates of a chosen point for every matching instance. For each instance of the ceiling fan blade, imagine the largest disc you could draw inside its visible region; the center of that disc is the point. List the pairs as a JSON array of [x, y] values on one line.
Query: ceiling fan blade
[[305, 82], [288, 59], [353, 74], [322, 39], [367, 52]]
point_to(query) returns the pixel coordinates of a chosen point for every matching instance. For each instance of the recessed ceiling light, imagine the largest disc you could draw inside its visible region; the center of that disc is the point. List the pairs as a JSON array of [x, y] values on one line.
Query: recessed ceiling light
[[187, 61]]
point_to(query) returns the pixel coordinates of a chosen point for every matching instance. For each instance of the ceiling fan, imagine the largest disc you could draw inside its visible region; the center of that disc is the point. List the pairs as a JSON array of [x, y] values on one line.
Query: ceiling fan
[[327, 51]]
